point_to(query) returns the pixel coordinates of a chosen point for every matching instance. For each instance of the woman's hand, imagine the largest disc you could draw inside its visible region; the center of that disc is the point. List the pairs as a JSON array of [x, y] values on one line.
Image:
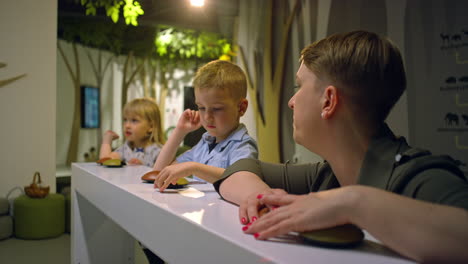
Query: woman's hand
[[170, 174], [300, 213], [249, 208], [109, 136], [189, 121]]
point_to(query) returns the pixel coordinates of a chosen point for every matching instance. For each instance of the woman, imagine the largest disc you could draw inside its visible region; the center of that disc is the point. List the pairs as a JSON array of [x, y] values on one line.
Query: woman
[[412, 201]]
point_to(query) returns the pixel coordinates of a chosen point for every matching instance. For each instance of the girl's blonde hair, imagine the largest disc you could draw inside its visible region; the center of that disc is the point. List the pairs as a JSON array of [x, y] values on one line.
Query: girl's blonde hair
[[148, 109]]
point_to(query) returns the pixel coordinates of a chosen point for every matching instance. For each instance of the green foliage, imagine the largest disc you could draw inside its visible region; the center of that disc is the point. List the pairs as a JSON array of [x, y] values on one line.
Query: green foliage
[[131, 9], [186, 44], [103, 35]]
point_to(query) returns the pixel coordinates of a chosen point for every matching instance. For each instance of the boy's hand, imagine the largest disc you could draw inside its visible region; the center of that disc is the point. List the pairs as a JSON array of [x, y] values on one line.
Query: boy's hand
[[189, 121], [135, 161], [171, 174], [109, 136]]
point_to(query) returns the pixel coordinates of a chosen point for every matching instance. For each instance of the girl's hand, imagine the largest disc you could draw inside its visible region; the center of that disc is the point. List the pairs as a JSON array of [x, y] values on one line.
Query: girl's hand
[[171, 174], [189, 121], [249, 208], [109, 136], [300, 213], [135, 161]]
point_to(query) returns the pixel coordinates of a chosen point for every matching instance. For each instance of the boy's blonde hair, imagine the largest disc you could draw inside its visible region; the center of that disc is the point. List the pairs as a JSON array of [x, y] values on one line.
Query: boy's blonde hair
[[224, 75], [148, 109], [365, 67]]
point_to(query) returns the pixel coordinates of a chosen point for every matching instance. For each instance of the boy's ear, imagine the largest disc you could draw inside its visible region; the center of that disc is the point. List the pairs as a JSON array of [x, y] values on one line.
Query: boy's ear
[[243, 104]]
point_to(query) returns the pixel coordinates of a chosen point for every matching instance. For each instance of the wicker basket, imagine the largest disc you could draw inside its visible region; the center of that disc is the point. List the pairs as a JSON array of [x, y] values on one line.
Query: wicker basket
[[35, 190]]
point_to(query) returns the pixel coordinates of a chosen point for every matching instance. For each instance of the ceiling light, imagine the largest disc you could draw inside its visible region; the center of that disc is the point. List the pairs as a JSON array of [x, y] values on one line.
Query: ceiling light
[[197, 3]]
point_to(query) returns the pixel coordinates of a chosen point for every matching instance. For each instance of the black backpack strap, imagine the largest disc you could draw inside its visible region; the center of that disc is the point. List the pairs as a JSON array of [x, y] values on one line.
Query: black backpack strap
[[414, 161]]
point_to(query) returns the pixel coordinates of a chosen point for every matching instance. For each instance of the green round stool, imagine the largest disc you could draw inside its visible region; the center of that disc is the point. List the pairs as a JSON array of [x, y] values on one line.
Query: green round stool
[[38, 218]]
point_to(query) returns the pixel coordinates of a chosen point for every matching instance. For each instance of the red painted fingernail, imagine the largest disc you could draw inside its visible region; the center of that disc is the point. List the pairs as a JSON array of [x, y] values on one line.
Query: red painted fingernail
[[243, 220], [274, 207], [259, 196], [256, 235], [249, 224], [254, 219], [245, 228]]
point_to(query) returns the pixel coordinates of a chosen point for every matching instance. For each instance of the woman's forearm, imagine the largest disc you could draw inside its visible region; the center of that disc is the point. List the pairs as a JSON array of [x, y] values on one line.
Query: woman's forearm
[[420, 230], [251, 183]]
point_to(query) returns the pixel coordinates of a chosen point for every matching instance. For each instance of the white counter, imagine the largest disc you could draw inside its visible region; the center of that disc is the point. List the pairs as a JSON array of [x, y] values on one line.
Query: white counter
[[111, 207]]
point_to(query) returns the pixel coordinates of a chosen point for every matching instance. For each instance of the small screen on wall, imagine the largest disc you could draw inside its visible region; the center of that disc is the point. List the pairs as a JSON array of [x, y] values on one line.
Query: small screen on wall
[[89, 107]]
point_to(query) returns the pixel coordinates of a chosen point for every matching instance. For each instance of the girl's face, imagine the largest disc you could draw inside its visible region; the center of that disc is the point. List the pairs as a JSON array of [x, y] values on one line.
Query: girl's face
[[306, 108], [219, 112], [136, 129]]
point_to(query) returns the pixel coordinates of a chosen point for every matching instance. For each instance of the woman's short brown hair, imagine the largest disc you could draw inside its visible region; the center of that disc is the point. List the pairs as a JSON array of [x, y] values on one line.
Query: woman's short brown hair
[[224, 75], [366, 68]]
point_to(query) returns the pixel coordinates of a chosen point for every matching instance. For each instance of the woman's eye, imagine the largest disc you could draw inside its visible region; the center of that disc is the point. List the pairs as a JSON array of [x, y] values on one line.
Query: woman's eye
[[217, 109], [201, 108], [296, 88]]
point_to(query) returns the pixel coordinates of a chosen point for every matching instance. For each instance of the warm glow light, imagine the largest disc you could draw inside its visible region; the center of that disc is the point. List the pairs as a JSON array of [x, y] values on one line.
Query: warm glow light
[[197, 3], [192, 193], [195, 216]]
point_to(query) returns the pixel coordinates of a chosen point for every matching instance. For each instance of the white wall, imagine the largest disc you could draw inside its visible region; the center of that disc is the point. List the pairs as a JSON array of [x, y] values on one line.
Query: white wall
[[27, 107]]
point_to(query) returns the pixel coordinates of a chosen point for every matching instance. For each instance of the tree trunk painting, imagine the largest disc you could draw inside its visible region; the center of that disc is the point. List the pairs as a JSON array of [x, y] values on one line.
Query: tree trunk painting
[[164, 89], [153, 69], [99, 71], [268, 115], [144, 77], [9, 80], [75, 131], [129, 77]]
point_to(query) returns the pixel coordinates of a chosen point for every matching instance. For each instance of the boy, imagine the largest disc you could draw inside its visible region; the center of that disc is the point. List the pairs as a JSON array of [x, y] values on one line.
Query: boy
[[220, 94]]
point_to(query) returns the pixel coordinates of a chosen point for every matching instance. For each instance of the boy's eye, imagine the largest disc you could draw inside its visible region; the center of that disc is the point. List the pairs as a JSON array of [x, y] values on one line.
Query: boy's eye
[[201, 108], [217, 109]]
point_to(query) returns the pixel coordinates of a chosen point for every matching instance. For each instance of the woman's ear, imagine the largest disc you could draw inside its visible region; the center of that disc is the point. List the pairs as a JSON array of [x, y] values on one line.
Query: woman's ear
[[329, 101], [243, 104]]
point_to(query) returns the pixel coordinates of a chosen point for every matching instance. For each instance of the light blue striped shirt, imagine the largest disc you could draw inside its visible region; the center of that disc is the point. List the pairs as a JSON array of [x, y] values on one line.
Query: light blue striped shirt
[[239, 145]]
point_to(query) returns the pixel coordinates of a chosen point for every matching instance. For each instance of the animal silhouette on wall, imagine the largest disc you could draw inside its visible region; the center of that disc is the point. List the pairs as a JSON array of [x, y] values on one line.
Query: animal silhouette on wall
[[451, 79], [463, 79], [451, 118], [465, 118], [445, 38], [456, 37]]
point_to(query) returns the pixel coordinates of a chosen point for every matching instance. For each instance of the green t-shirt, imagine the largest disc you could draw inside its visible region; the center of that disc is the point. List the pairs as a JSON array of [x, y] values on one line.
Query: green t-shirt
[[390, 164]]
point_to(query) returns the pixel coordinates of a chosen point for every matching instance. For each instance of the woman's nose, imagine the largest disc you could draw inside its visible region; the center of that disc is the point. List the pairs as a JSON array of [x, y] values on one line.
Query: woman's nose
[[291, 102]]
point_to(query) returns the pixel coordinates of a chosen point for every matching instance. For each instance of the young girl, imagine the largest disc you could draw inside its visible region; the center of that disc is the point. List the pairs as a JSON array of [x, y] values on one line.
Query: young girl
[[143, 134]]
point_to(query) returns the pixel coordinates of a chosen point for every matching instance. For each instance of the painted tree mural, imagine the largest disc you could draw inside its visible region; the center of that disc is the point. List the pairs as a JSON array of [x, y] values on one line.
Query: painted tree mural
[[267, 113]]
